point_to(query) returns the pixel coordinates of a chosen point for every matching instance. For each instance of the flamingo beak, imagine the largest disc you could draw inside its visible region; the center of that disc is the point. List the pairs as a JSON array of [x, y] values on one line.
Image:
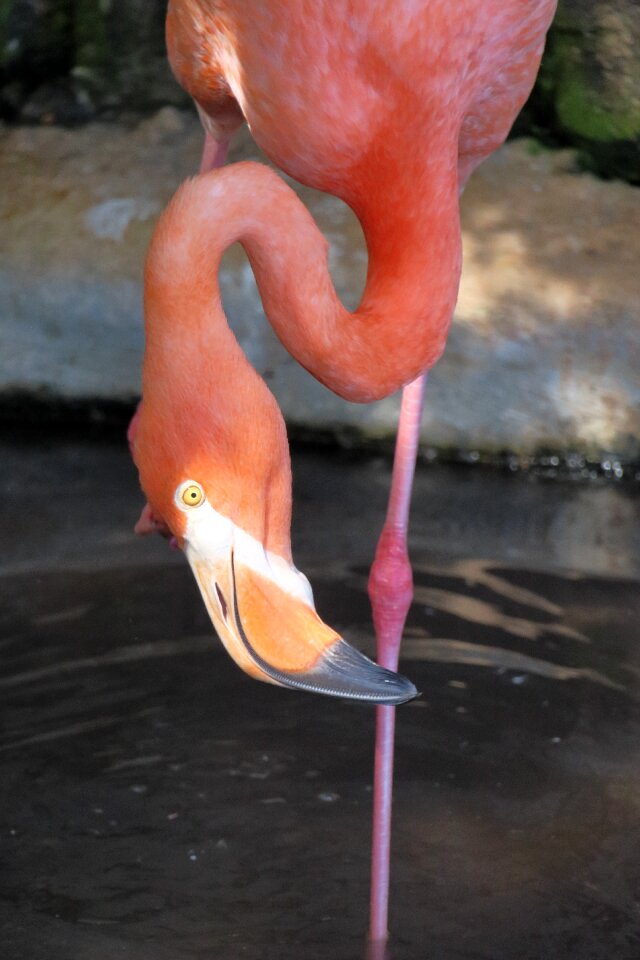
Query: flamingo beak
[[278, 637]]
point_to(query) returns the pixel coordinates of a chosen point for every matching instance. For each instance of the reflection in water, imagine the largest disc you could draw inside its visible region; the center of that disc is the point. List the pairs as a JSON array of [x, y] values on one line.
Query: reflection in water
[[475, 571], [488, 614], [128, 654], [491, 619], [74, 729], [602, 533], [156, 803], [378, 950], [439, 650]]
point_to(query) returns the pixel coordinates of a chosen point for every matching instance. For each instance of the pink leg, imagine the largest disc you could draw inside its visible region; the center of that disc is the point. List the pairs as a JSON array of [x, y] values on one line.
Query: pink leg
[[214, 153], [391, 592]]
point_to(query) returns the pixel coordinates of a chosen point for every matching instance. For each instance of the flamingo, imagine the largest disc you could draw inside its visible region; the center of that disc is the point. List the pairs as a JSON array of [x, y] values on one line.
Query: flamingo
[[389, 105]]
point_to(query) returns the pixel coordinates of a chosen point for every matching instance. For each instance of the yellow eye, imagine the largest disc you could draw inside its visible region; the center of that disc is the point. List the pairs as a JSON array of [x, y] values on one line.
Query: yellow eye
[[192, 495]]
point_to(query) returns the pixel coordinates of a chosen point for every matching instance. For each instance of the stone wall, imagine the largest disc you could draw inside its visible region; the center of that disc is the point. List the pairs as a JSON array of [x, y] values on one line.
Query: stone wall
[[543, 354]]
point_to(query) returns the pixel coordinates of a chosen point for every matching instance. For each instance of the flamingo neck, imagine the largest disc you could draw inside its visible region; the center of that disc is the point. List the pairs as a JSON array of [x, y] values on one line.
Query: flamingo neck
[[205, 408], [398, 330]]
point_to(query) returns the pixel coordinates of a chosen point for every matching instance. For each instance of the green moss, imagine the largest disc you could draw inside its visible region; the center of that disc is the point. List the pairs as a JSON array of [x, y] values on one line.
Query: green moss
[[91, 36], [588, 91], [535, 148], [581, 112]]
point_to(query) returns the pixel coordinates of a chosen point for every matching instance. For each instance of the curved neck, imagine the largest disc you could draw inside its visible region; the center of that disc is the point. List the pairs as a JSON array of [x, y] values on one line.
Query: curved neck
[[206, 411], [398, 330]]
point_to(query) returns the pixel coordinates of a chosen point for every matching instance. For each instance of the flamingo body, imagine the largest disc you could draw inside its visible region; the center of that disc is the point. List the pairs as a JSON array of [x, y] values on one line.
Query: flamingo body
[[389, 105], [349, 95]]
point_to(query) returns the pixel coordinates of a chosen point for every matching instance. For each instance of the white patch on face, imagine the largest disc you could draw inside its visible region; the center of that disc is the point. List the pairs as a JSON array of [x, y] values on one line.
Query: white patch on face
[[211, 536]]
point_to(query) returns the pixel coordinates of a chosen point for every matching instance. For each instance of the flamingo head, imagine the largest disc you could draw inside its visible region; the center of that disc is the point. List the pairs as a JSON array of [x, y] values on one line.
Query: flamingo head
[[229, 510]]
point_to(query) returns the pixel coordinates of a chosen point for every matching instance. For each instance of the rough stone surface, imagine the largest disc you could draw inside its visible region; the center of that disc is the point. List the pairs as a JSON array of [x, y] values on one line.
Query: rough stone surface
[[544, 351]]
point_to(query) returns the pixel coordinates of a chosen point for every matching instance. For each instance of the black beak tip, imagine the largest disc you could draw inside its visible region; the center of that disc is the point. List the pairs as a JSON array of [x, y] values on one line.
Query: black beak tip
[[400, 688], [345, 672]]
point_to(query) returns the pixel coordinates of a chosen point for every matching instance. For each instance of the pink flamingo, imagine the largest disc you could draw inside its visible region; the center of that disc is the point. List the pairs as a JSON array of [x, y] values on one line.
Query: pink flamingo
[[389, 106]]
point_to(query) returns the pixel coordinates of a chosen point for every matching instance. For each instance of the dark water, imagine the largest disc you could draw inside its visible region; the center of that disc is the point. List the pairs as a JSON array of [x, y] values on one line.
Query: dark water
[[155, 803]]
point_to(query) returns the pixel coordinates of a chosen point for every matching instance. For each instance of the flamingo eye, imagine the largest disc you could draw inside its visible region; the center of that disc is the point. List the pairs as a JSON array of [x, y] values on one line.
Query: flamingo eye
[[192, 495]]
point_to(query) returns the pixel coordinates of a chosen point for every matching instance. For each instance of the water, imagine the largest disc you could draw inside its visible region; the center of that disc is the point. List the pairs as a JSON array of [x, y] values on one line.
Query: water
[[155, 803]]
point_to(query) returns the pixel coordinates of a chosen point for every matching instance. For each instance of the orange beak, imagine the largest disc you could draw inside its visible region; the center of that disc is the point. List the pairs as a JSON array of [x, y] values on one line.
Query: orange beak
[[278, 637]]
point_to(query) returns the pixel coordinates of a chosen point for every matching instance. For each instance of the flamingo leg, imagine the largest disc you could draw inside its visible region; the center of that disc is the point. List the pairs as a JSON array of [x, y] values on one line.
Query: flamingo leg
[[214, 153], [391, 593]]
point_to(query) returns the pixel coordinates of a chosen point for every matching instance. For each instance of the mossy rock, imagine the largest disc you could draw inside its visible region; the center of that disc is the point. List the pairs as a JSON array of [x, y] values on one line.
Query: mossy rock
[[588, 92]]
